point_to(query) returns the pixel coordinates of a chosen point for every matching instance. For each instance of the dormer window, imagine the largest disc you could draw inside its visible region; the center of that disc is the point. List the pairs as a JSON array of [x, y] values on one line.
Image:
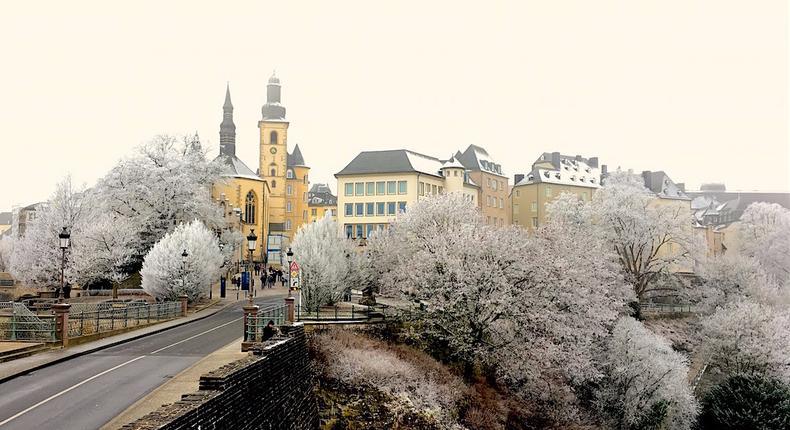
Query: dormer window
[[289, 174], [557, 175], [546, 173]]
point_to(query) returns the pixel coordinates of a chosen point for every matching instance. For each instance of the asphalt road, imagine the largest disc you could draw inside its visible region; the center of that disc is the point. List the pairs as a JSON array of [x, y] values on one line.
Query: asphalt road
[[88, 391]]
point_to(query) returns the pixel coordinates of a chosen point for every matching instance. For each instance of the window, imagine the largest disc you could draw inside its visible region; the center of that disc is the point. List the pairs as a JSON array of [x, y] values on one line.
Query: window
[[390, 208], [518, 193], [360, 209], [533, 206], [401, 206], [249, 208], [380, 188], [584, 195], [274, 184], [455, 173], [501, 203], [370, 188], [273, 138], [381, 227], [401, 187], [369, 229], [304, 215], [273, 172], [488, 219], [334, 212], [441, 190], [495, 183], [421, 188], [289, 189], [390, 187], [360, 227], [534, 222], [433, 189], [288, 206], [369, 209], [515, 208], [313, 211], [349, 209], [488, 182], [359, 188], [289, 174], [287, 224], [380, 208], [349, 189], [349, 231], [548, 191]]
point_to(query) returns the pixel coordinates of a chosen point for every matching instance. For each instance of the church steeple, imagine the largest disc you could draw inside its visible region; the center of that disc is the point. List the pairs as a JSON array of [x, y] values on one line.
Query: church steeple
[[273, 110], [227, 129]]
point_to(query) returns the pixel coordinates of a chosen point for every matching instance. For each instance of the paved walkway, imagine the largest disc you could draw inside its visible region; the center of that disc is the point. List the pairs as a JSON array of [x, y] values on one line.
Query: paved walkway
[[185, 382]]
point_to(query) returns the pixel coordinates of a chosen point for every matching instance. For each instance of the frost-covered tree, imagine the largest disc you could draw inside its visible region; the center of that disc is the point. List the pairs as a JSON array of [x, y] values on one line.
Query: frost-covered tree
[[6, 251], [166, 275], [650, 239], [645, 384], [325, 260], [746, 401], [166, 183], [36, 260], [748, 337], [103, 249], [765, 236]]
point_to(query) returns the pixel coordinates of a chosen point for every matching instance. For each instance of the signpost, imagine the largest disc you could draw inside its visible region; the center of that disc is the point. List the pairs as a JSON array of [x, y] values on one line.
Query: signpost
[[294, 281]]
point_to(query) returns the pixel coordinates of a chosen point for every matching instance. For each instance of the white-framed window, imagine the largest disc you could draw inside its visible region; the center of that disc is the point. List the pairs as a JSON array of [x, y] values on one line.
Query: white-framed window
[[380, 190], [548, 191], [534, 222], [359, 189], [533, 206], [288, 206], [391, 187], [289, 189], [289, 174], [287, 224], [349, 189], [402, 187], [370, 188]]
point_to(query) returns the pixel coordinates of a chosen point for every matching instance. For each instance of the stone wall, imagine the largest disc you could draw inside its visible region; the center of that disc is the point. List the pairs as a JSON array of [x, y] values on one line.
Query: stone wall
[[270, 389]]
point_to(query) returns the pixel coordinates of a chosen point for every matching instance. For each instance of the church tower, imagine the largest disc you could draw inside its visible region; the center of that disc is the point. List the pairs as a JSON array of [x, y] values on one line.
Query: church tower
[[274, 141], [227, 129]]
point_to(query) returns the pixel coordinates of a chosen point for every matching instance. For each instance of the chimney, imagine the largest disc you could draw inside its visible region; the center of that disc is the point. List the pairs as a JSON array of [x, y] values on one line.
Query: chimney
[[647, 178], [578, 158], [555, 159], [593, 162], [604, 171], [517, 178]]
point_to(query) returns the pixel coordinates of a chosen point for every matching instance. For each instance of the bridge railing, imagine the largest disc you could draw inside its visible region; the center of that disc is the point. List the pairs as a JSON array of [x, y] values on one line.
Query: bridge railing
[[18, 323], [256, 324], [667, 308], [106, 317]]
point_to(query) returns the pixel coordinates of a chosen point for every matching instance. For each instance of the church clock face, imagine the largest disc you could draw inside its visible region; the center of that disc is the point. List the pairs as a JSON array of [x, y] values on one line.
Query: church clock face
[[273, 150]]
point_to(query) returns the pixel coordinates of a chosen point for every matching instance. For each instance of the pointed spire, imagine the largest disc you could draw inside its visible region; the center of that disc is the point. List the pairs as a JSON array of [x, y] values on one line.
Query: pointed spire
[[295, 158], [227, 104]]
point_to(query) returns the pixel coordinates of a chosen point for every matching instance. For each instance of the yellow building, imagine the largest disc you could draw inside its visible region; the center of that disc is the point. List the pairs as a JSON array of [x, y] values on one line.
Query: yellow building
[[377, 185], [321, 202], [274, 199], [286, 173], [551, 175], [494, 189]]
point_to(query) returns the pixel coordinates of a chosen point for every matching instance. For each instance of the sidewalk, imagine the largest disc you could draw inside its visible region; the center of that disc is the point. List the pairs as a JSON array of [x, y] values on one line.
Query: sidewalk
[[183, 383], [12, 369]]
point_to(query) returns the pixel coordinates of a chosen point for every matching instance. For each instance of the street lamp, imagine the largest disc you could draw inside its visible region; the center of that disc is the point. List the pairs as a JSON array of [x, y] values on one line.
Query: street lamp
[[251, 239], [289, 257], [184, 256], [65, 241]]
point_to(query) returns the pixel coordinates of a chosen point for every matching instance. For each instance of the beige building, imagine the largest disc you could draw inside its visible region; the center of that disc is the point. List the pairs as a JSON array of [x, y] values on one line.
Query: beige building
[[377, 185], [321, 202], [5, 222], [494, 189], [552, 174]]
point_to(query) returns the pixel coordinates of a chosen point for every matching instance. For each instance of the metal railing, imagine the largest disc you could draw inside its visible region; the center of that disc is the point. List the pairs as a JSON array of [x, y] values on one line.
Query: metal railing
[[257, 324], [667, 308], [342, 312], [105, 317], [18, 323]]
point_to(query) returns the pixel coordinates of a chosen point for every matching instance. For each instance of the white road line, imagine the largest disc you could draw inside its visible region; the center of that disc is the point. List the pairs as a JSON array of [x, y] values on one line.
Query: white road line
[[98, 375]]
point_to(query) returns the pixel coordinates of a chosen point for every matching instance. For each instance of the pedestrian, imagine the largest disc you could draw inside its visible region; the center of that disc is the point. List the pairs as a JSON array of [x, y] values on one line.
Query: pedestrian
[[270, 330], [263, 280]]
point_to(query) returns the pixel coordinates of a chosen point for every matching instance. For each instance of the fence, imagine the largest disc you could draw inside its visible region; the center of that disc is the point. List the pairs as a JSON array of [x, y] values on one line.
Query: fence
[[344, 312], [667, 308], [88, 319], [18, 323], [257, 323]]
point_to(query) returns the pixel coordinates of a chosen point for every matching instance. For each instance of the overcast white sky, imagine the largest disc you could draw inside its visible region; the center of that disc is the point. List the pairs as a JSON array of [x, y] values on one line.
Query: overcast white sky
[[696, 88]]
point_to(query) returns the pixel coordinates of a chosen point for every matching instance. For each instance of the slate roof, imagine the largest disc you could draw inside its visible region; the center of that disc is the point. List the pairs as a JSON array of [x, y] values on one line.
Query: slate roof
[[295, 158], [321, 195], [234, 167], [565, 170], [476, 158], [662, 185], [5, 218], [392, 161]]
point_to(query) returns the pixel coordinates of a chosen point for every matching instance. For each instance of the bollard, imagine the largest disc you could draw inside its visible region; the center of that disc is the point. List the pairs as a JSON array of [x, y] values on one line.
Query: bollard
[[62, 322], [250, 319], [183, 299], [289, 302]]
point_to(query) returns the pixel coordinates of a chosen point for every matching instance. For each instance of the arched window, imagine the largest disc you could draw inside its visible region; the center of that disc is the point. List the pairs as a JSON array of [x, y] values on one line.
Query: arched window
[[249, 208], [289, 174], [273, 172], [273, 138]]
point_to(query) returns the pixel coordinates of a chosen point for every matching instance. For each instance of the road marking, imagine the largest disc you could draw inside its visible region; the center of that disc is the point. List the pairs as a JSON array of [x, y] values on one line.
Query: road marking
[[98, 375]]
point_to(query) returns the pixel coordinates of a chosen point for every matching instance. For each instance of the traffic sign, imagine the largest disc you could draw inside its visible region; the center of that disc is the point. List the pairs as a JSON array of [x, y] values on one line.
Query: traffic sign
[[294, 274], [294, 267]]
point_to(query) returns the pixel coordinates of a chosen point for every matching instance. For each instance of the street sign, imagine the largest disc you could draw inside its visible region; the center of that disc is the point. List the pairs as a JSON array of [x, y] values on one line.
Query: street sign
[[294, 274], [294, 267]]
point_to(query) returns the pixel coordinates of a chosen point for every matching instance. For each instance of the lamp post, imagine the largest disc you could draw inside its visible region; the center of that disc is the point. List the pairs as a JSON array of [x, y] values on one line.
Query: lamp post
[[251, 239], [65, 240], [184, 256], [289, 257]]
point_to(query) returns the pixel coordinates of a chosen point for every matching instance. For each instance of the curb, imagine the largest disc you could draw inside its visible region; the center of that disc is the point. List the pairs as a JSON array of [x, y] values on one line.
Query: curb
[[109, 345]]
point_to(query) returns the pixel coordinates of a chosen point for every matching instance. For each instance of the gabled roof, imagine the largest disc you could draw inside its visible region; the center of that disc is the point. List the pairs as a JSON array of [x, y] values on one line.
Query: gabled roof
[[295, 158], [662, 185], [234, 167], [321, 194], [392, 161], [554, 168], [476, 158]]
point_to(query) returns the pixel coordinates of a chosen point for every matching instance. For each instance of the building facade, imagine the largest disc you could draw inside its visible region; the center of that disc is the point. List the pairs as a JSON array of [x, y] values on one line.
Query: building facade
[[494, 188], [552, 174], [377, 185], [321, 202]]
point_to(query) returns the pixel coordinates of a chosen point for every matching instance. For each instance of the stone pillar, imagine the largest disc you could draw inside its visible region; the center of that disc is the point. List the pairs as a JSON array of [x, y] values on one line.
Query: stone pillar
[[183, 299], [291, 316], [62, 322], [250, 314]]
